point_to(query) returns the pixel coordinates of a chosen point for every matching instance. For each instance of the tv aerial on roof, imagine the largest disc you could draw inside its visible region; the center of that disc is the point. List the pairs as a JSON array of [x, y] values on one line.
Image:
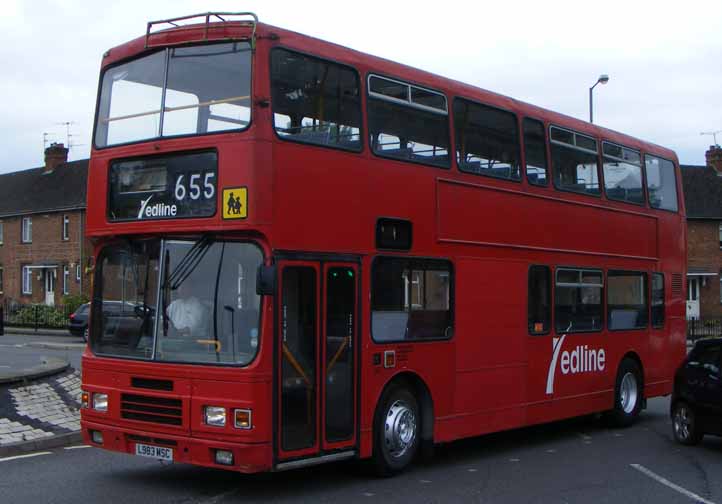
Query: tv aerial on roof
[[713, 134]]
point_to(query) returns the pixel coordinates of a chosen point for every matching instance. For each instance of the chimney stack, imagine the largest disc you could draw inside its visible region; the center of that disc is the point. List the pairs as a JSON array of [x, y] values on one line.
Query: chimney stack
[[714, 159], [55, 155]]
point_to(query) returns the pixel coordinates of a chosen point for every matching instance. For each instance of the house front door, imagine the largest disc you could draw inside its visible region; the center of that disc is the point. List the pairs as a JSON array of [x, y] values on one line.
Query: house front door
[[50, 287], [692, 298]]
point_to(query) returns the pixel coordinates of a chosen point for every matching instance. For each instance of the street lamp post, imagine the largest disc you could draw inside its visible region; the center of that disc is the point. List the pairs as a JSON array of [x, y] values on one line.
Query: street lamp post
[[603, 79]]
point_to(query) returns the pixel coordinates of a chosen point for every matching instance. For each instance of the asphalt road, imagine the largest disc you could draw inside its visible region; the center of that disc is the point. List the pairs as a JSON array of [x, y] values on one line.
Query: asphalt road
[[573, 461], [28, 349]]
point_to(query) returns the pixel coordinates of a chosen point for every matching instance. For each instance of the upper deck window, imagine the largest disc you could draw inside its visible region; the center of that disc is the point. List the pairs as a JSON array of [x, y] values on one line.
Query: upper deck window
[[177, 91], [535, 151], [487, 140], [574, 160], [315, 101], [661, 183], [408, 122], [622, 173]]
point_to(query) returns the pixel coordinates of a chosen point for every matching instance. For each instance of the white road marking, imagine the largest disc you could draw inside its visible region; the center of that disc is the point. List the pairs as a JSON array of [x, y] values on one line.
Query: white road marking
[[471, 470], [671, 485], [368, 494], [8, 459], [551, 451], [424, 481], [77, 447], [585, 437], [514, 460]]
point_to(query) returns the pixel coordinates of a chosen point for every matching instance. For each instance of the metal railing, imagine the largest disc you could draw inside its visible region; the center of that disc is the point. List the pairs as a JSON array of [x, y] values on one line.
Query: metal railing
[[210, 20], [36, 316], [704, 328]]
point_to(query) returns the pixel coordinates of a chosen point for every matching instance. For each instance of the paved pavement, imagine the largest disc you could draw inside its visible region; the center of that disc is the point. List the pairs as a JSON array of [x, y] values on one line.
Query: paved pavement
[[40, 413], [39, 391]]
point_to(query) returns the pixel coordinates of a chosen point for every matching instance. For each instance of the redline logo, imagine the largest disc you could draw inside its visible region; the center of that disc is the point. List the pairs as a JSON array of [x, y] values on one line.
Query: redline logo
[[580, 360], [157, 210]]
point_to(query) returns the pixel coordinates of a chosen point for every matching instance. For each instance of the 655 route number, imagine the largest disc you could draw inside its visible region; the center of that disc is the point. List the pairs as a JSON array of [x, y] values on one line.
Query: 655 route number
[[198, 185]]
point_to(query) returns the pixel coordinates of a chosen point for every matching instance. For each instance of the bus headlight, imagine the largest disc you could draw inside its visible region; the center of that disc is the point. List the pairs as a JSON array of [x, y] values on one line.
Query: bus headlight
[[215, 416], [100, 402]]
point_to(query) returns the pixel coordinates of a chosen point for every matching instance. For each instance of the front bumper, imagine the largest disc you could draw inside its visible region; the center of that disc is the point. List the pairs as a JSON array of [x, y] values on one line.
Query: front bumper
[[247, 457]]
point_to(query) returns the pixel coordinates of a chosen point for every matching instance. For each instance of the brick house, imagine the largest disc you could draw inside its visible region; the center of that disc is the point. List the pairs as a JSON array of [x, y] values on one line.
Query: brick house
[[43, 252], [703, 199]]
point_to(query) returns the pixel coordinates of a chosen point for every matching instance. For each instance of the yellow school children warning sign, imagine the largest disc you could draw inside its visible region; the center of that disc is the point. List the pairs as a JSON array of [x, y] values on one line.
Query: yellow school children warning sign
[[235, 203]]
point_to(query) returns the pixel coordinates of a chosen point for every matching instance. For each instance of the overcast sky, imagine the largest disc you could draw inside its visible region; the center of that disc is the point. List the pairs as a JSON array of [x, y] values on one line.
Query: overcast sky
[[664, 62]]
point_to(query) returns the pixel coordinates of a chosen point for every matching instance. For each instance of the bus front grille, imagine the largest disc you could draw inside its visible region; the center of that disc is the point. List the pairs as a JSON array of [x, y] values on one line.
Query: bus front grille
[[151, 409]]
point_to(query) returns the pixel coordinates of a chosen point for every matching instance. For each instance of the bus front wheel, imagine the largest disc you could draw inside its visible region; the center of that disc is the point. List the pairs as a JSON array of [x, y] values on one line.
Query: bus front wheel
[[396, 431], [628, 394]]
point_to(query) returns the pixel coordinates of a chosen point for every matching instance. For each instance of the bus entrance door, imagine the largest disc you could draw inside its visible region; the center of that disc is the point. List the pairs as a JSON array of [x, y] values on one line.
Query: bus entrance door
[[316, 358]]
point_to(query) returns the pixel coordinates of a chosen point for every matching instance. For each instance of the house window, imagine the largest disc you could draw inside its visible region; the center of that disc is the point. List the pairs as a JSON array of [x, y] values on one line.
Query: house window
[[77, 272], [27, 280], [66, 227], [66, 280], [1, 280], [27, 230], [1, 232], [720, 235]]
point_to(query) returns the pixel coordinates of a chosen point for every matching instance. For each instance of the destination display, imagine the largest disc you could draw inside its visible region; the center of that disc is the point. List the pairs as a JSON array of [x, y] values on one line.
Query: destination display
[[163, 187]]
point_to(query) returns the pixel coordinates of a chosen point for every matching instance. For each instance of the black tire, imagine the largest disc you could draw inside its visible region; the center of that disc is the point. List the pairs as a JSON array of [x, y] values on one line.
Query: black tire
[[684, 424], [397, 430], [628, 394]]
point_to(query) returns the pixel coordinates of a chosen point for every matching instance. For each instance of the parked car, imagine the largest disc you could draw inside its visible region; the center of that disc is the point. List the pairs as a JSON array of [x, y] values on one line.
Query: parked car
[[79, 321], [696, 406]]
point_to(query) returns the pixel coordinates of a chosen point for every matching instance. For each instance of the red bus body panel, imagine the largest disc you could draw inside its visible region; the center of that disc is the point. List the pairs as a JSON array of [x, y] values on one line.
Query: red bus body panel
[[491, 375]]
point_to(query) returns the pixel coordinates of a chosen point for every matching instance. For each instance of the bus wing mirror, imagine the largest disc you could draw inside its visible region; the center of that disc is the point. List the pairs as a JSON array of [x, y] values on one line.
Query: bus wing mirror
[[266, 280]]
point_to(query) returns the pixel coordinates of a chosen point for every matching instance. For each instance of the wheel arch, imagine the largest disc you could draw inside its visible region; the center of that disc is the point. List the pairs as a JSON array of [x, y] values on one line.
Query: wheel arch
[[417, 386]]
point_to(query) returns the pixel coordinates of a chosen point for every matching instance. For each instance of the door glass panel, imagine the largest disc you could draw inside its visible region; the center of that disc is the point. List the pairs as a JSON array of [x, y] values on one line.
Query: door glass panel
[[298, 347], [340, 323]]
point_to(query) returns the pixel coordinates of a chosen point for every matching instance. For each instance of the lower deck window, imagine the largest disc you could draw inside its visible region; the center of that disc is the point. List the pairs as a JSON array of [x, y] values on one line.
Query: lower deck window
[[539, 300], [578, 300], [411, 299], [626, 300]]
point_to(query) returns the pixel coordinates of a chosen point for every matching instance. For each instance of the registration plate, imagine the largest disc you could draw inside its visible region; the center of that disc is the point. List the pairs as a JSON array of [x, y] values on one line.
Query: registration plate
[[155, 452]]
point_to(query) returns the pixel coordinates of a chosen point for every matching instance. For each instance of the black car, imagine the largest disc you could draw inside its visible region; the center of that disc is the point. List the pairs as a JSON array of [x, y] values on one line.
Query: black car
[[79, 321], [696, 407]]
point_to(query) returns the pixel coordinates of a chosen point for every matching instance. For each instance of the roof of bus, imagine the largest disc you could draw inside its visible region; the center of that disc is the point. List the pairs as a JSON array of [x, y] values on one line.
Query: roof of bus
[[369, 63]]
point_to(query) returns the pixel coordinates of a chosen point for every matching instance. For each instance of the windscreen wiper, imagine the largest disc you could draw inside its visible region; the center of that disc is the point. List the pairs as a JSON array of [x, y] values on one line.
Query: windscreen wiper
[[188, 263]]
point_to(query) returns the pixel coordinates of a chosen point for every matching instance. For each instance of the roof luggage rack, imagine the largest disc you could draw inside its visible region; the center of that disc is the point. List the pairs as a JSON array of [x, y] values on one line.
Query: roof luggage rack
[[210, 18]]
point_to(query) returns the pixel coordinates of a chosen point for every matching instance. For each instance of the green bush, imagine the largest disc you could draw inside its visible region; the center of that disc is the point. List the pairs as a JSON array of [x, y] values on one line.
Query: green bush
[[72, 302], [43, 316]]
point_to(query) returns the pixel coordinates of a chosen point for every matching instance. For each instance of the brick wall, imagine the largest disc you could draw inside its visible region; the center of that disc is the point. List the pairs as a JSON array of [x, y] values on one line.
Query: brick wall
[[47, 247], [703, 250]]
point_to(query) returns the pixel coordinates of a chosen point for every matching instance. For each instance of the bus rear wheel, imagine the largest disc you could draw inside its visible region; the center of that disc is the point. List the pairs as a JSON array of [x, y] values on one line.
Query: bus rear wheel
[[628, 394], [396, 431]]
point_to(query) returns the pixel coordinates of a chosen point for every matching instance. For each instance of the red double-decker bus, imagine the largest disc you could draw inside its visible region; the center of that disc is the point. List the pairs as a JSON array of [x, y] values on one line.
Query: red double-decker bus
[[304, 253]]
